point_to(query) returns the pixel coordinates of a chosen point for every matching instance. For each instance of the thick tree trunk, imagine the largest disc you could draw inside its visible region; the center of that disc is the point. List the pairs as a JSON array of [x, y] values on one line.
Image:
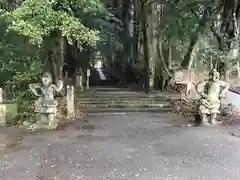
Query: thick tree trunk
[[56, 58], [150, 34], [154, 20]]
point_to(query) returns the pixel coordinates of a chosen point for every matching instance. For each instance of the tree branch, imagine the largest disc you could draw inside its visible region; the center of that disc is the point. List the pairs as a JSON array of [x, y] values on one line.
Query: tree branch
[[218, 37], [160, 55], [195, 36]]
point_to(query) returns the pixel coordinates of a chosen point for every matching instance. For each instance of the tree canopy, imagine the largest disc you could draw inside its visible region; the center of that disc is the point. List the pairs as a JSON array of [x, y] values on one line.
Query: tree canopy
[[155, 37], [38, 19]]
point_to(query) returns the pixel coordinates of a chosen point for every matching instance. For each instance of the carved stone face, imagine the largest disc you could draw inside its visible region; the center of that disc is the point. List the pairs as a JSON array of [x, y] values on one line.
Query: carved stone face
[[46, 79]]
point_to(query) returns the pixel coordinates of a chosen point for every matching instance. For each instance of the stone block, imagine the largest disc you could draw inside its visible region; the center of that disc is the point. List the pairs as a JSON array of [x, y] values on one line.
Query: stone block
[[70, 101], [8, 111], [3, 113]]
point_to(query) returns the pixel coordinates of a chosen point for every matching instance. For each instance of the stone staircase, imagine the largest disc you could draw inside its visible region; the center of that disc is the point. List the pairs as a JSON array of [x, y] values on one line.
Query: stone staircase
[[108, 99]]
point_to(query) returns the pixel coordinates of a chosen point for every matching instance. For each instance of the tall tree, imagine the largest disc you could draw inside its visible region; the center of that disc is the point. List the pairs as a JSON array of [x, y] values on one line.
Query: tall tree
[[53, 22]]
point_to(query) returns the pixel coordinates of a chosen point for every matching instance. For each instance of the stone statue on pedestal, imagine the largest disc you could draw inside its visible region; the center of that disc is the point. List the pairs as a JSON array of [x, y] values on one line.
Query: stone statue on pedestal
[[211, 92], [45, 105]]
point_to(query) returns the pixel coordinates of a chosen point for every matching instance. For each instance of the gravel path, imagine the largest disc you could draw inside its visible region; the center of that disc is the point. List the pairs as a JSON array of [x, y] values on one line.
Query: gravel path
[[144, 146]]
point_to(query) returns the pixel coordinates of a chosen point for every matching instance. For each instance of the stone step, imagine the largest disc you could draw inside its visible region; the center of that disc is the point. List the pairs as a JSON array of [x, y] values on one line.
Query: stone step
[[110, 100], [124, 97], [125, 110], [109, 89], [104, 100], [124, 94], [121, 101], [86, 106], [106, 90]]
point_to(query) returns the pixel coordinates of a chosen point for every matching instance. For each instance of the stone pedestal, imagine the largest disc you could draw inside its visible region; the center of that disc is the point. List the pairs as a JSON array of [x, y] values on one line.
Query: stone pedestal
[[45, 121], [45, 115], [3, 114], [70, 102]]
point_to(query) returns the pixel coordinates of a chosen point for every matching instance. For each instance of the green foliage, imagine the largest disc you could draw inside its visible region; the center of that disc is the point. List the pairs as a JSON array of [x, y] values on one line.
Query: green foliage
[[40, 22], [37, 19], [18, 67]]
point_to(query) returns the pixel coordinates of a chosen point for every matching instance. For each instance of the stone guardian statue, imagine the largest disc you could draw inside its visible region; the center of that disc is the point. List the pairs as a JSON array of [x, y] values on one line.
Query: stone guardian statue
[[211, 92], [45, 105]]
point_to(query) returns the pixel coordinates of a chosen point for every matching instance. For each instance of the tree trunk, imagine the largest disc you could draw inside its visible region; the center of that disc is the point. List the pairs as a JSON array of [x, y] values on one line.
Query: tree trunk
[[145, 45], [194, 38], [61, 59], [126, 35], [151, 41], [56, 58], [164, 73], [136, 31], [162, 59]]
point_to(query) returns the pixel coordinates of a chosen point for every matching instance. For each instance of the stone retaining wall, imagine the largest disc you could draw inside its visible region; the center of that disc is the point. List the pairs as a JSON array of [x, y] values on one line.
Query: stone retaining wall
[[197, 76], [186, 76], [189, 75]]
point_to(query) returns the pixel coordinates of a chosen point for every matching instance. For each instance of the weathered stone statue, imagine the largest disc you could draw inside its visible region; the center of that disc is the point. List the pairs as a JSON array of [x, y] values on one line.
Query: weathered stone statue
[[211, 92], [45, 105]]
